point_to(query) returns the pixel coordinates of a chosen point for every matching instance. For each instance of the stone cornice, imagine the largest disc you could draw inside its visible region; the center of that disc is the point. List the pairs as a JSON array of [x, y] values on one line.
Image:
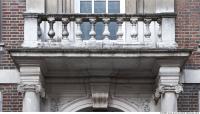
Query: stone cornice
[[82, 50]]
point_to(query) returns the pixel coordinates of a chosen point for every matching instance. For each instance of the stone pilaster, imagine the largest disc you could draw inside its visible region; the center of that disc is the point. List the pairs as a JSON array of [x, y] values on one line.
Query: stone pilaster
[[31, 100]]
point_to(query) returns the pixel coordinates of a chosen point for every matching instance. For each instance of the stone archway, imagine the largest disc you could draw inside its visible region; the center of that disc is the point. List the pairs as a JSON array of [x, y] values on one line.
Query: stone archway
[[85, 103]]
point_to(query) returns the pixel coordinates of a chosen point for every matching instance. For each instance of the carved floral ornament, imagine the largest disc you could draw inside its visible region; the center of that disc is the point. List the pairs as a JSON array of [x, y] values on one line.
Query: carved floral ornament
[[162, 89]]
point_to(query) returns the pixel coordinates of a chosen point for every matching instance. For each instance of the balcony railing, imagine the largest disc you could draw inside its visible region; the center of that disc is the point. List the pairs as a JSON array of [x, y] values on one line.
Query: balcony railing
[[132, 31]]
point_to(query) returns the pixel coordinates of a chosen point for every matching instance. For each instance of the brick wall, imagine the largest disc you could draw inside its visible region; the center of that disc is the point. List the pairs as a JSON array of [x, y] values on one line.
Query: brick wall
[[12, 36], [188, 29], [188, 36], [12, 100], [12, 28], [188, 100]]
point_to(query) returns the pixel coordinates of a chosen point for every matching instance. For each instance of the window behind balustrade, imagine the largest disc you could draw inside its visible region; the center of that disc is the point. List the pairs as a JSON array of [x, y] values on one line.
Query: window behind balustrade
[[99, 7], [131, 6]]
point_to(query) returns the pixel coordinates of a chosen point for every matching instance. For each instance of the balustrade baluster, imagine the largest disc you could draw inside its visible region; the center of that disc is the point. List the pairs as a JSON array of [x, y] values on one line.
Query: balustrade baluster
[[39, 30], [78, 31], [51, 33], [134, 33], [65, 32], [92, 32], [159, 21], [106, 32], [120, 32], [147, 24]]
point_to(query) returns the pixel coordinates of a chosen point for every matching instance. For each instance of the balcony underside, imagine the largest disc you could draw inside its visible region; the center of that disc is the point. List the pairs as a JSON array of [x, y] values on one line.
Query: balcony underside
[[118, 63]]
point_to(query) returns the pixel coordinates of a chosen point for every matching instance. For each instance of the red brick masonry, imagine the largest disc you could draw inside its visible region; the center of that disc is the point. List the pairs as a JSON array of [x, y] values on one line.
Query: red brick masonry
[[188, 29], [12, 100]]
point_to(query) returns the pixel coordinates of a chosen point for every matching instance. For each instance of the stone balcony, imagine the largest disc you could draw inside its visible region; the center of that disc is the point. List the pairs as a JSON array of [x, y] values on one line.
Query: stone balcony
[[134, 31]]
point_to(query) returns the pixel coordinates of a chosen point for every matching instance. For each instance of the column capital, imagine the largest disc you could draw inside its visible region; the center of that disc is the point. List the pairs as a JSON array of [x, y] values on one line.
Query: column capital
[[162, 89], [29, 88], [171, 88]]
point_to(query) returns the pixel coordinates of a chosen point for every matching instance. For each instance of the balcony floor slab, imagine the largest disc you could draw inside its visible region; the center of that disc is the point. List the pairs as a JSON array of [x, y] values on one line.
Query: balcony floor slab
[[120, 63]]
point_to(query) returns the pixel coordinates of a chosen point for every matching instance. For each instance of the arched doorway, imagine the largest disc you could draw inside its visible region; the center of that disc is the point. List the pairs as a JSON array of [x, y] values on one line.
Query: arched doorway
[[85, 105]]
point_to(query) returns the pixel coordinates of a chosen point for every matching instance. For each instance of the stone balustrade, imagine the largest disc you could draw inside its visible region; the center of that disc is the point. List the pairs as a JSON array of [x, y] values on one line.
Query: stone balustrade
[[132, 31]]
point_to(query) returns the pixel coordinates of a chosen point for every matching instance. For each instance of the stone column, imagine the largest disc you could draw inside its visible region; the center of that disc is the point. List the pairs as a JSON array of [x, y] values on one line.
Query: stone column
[[168, 88], [31, 100], [169, 95], [31, 87]]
